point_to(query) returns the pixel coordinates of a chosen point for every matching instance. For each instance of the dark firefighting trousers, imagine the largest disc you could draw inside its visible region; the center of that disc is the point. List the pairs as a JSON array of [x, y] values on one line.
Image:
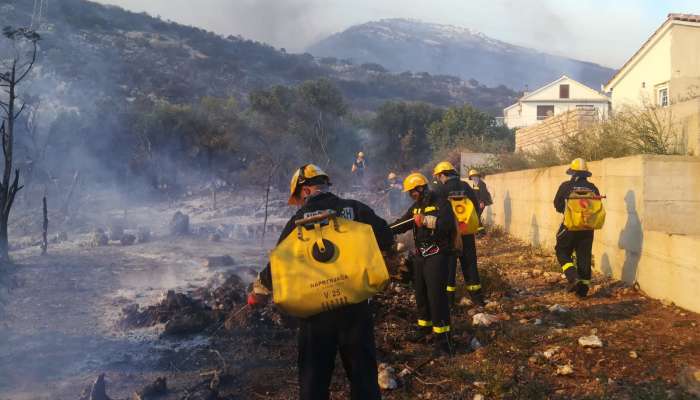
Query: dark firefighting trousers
[[467, 259], [580, 242], [429, 281], [348, 330]]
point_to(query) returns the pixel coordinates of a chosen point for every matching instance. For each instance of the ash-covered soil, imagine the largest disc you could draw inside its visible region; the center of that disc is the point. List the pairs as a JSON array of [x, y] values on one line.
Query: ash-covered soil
[[173, 307]]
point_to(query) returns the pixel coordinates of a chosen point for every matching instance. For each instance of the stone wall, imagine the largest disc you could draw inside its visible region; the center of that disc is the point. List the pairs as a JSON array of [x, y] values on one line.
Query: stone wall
[[553, 129], [652, 231]]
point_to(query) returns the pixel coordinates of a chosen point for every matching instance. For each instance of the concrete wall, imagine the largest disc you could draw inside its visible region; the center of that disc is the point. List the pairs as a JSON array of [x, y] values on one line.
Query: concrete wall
[[651, 234]]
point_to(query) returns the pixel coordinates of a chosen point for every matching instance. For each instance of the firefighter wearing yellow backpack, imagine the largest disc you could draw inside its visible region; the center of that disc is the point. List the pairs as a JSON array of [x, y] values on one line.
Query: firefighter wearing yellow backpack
[[433, 224], [580, 202], [326, 265], [464, 204]]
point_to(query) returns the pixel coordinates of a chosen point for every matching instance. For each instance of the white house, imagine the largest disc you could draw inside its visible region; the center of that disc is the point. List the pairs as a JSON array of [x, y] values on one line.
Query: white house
[[560, 96]]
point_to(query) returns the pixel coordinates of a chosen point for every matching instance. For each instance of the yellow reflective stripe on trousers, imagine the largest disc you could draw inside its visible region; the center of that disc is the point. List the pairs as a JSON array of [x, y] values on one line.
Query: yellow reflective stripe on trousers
[[424, 323], [473, 288], [430, 208], [586, 282], [441, 329], [566, 266], [452, 288]]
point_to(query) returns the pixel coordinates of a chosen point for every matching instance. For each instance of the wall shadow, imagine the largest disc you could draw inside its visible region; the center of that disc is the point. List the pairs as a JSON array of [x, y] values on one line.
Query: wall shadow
[[631, 240], [605, 266], [507, 211], [534, 232]]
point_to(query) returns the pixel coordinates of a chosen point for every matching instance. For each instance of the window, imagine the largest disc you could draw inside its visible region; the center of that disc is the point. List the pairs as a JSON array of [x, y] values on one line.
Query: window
[[544, 112], [563, 91], [663, 96]]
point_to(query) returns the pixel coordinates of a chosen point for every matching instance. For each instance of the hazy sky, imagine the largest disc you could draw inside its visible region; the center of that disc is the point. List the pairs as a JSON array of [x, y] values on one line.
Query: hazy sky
[[602, 31]]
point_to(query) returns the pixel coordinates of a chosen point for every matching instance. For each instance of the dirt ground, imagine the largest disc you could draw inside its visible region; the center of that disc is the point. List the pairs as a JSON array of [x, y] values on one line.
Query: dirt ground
[[60, 324]]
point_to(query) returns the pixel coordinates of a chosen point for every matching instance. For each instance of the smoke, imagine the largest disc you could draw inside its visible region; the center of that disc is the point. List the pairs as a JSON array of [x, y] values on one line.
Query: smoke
[[291, 24]]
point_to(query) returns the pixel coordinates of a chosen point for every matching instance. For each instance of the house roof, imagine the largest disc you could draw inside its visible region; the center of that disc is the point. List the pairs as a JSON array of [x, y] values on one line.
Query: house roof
[[595, 96], [670, 19]]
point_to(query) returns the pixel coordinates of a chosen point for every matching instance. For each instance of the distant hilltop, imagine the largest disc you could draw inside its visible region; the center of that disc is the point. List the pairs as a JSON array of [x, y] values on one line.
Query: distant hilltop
[[412, 45]]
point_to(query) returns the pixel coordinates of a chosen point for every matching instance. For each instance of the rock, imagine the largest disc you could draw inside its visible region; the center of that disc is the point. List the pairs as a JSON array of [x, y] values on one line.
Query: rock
[[519, 307], [386, 377], [536, 272], [484, 319], [565, 370], [491, 306], [591, 341], [558, 309], [478, 397], [465, 302], [179, 224], [128, 239], [143, 235], [99, 238], [537, 321], [689, 379], [157, 388], [475, 344], [479, 384], [666, 303], [549, 353], [553, 278], [404, 372], [633, 354], [215, 237], [524, 321], [219, 261]]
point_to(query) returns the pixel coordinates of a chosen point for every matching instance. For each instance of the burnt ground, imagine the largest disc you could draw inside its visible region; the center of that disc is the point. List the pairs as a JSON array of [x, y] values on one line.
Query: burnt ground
[[62, 325]]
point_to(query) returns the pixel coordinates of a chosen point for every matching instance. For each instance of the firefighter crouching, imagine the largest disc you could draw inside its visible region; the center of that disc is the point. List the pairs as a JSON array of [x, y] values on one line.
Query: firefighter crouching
[[433, 227], [482, 193], [348, 329], [578, 271], [451, 187]]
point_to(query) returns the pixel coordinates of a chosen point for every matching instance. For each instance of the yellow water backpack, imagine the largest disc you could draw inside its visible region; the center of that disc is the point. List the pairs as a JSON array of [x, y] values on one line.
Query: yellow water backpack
[[467, 218], [330, 262], [584, 211]]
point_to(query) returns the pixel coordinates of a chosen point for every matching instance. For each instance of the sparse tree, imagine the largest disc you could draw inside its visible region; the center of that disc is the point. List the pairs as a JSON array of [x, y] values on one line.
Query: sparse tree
[[15, 66]]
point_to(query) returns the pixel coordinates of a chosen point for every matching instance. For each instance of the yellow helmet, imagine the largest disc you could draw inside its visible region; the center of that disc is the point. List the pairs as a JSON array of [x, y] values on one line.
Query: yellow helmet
[[360, 154], [413, 181], [442, 167], [473, 172], [302, 175], [579, 167], [391, 176]]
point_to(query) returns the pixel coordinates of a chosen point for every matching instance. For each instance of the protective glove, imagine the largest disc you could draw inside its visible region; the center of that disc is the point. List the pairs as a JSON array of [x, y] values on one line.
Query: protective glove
[[257, 300], [418, 220], [430, 221]]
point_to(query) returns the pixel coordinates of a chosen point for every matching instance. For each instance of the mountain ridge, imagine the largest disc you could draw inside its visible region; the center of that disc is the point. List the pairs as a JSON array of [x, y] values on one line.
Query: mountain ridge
[[410, 44]]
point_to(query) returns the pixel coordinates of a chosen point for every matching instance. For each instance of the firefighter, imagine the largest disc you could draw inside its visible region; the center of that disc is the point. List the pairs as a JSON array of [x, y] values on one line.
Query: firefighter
[[482, 192], [349, 329], [394, 198], [433, 227], [358, 168], [450, 185], [578, 272]]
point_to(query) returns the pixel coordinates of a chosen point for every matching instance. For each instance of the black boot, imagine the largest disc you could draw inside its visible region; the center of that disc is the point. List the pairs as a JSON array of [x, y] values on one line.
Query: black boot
[[571, 278], [451, 299], [581, 290], [419, 335], [443, 345]]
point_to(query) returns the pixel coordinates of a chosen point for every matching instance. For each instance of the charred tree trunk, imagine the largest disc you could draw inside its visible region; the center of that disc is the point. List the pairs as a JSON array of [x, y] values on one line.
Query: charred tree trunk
[[45, 229], [18, 69]]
